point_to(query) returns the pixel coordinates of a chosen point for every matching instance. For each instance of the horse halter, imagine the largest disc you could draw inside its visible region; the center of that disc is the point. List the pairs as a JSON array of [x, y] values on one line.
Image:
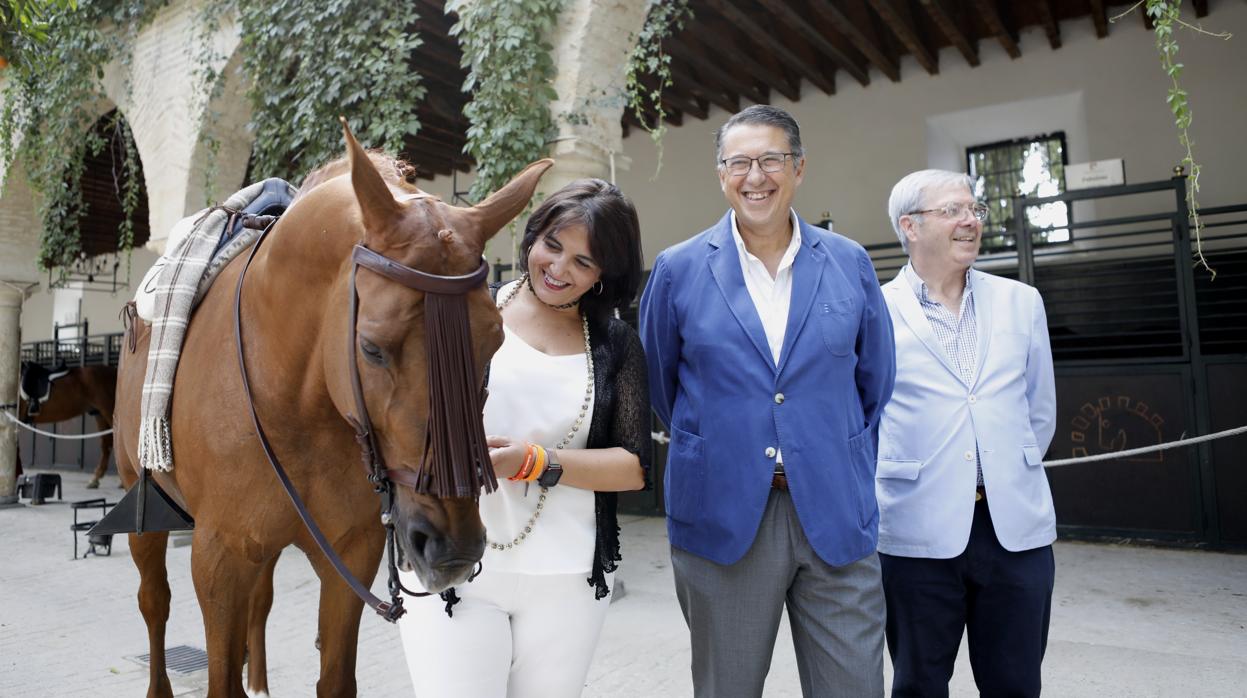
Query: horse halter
[[454, 432]]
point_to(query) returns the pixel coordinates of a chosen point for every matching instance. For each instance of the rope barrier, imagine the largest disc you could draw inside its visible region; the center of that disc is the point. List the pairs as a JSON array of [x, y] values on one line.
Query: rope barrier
[[68, 437], [1145, 449]]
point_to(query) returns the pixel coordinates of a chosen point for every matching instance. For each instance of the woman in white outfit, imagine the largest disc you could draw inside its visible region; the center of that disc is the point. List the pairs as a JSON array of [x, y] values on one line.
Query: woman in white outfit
[[568, 418]]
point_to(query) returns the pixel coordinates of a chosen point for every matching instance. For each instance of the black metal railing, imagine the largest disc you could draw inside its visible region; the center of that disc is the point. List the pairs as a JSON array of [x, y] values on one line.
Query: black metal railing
[[1126, 287], [82, 349]]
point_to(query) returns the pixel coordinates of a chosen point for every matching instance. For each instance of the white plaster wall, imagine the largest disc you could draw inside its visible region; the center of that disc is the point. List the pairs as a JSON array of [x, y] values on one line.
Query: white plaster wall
[[860, 141]]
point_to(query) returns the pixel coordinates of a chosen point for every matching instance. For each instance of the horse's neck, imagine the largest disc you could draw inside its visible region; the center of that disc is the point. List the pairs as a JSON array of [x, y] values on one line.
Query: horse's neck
[[289, 295]]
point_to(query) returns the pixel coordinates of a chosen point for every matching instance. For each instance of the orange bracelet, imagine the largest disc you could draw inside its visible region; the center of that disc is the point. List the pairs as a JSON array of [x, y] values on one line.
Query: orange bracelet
[[540, 465], [525, 466]]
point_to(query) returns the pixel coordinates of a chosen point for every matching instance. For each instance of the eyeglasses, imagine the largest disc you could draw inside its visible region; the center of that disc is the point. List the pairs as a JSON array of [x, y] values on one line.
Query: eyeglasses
[[957, 211], [767, 162]]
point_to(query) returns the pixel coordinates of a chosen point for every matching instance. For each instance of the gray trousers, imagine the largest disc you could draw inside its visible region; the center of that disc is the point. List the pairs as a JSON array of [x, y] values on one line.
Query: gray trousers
[[733, 612]]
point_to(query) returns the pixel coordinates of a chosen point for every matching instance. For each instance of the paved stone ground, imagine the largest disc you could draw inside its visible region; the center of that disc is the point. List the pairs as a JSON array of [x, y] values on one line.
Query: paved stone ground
[[1126, 621]]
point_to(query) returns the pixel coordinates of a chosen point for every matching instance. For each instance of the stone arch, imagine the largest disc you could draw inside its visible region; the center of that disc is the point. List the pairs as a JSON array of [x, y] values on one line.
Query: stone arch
[[225, 122]]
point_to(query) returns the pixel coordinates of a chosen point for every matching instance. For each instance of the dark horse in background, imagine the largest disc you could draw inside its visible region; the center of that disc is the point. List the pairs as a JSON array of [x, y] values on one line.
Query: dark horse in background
[[294, 314], [80, 390]]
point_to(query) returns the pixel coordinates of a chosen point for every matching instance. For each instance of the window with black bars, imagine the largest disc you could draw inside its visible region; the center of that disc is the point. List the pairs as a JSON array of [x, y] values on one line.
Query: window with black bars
[[1034, 167]]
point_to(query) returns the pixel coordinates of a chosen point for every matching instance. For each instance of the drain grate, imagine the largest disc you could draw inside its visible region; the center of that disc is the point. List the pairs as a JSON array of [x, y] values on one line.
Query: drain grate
[[182, 659]]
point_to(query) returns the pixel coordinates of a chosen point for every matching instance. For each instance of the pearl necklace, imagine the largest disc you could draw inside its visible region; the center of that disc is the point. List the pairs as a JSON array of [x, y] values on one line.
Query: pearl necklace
[[571, 433]]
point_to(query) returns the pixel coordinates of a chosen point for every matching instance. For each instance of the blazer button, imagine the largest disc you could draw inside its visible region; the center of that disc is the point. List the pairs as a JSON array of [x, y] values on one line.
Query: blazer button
[[770, 451], [972, 399], [969, 455], [779, 398]]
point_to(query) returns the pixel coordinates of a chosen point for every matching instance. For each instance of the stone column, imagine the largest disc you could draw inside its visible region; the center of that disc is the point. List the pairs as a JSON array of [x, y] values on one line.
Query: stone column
[[592, 43], [10, 356]]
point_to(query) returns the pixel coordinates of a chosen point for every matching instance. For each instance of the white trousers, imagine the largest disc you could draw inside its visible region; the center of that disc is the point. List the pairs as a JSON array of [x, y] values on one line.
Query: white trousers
[[512, 636]]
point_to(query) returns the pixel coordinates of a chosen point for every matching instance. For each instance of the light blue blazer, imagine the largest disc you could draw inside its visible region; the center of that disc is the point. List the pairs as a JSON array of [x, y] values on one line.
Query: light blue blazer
[[714, 383], [926, 475]]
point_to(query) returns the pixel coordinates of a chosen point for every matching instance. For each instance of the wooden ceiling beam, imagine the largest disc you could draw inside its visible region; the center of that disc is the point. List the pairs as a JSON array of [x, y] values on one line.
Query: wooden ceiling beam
[[777, 45], [747, 55], [678, 99], [939, 14], [1050, 26], [907, 32], [783, 10], [699, 89], [996, 24], [857, 36], [1099, 18], [695, 55]]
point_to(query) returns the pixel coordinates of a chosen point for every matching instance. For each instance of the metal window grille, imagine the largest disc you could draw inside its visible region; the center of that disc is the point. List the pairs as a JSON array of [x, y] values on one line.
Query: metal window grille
[[1033, 167]]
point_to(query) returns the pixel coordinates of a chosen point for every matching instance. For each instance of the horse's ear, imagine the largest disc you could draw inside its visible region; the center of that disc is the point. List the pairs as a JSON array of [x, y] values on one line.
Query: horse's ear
[[376, 201], [500, 207]]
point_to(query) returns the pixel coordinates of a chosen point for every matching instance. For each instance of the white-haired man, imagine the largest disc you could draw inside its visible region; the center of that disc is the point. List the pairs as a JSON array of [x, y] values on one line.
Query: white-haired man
[[966, 522]]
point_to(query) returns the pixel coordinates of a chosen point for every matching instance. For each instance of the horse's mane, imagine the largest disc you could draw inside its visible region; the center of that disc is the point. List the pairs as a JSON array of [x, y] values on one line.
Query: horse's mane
[[394, 170]]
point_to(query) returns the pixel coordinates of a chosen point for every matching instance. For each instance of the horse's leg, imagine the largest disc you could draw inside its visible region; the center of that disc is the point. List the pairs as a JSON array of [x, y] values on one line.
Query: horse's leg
[[223, 579], [148, 553], [257, 617], [106, 452], [340, 611]]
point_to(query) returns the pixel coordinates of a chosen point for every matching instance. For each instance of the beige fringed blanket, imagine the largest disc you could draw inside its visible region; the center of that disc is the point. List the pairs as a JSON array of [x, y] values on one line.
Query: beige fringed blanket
[[184, 276]]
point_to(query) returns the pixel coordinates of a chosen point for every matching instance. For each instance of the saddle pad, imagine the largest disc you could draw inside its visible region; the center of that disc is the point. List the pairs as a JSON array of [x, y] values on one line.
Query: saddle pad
[[36, 384], [187, 272], [271, 199]]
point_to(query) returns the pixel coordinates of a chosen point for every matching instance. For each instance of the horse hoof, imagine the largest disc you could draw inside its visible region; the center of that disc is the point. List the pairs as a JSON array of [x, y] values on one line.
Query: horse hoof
[[93, 485]]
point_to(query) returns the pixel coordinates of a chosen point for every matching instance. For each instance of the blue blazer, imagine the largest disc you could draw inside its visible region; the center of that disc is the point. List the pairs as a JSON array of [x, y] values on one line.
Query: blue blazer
[[715, 385], [935, 422]]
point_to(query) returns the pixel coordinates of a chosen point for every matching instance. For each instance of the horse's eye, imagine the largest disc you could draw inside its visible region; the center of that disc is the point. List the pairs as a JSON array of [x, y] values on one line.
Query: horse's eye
[[372, 352]]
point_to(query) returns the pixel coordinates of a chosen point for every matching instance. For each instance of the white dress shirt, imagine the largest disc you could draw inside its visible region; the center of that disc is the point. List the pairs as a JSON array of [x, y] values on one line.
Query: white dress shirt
[[771, 296]]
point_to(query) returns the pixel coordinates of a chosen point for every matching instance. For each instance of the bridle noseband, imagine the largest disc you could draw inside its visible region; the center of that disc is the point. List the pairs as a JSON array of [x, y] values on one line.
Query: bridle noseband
[[461, 467]]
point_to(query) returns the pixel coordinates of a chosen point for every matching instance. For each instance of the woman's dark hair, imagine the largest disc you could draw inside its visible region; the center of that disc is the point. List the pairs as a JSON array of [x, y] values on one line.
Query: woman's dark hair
[[614, 238]]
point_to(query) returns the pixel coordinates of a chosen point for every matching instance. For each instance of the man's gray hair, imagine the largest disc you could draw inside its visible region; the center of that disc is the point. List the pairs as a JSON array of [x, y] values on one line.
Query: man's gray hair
[[762, 115], [907, 194]]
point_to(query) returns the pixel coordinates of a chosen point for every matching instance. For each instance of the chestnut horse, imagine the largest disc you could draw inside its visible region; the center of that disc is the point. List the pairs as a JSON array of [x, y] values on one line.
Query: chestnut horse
[[294, 312], [85, 389]]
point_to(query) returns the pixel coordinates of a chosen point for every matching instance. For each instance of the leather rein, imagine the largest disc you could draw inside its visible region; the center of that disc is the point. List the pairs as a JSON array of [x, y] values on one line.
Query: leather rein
[[383, 479]]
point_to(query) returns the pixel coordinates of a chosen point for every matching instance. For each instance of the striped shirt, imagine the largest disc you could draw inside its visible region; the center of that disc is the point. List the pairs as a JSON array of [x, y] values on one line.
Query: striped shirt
[[957, 333]]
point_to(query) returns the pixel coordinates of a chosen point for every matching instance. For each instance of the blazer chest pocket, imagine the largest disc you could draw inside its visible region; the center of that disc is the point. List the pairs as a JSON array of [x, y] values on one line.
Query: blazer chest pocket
[[838, 324], [895, 469]]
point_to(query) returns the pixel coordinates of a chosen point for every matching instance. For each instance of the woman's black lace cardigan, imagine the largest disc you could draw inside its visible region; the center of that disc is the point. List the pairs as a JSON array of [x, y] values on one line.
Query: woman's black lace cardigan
[[621, 417]]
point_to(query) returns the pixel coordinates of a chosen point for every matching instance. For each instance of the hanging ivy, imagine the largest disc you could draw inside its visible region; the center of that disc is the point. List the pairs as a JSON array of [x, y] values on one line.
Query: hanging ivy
[[304, 69], [665, 18], [510, 77], [54, 80], [1165, 17]]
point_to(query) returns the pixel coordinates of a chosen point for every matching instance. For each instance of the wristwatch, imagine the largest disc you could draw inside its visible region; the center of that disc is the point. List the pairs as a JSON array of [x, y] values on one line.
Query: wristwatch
[[554, 470]]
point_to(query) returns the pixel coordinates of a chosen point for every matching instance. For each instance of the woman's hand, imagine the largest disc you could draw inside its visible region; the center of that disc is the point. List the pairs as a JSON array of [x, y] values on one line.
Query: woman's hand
[[507, 455]]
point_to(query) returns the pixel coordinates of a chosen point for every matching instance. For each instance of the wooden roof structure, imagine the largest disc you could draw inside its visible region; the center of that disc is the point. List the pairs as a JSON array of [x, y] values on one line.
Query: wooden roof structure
[[729, 52], [778, 46], [733, 51]]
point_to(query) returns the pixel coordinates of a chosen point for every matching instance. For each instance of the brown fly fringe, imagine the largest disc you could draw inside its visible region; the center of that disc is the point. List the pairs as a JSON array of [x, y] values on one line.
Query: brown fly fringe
[[458, 463]]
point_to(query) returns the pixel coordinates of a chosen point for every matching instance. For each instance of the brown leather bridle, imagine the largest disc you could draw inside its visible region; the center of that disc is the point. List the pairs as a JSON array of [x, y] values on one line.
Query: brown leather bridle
[[445, 314]]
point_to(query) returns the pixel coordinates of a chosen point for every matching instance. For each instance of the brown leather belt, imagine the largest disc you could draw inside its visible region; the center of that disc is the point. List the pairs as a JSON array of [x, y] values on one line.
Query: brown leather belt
[[779, 481]]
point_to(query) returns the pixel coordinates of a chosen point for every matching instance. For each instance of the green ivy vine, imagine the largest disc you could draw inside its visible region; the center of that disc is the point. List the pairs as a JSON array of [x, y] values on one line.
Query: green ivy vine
[[665, 17], [53, 81], [1165, 17], [510, 76]]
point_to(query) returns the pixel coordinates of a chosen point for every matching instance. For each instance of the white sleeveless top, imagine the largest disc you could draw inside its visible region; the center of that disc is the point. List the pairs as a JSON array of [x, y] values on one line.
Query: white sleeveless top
[[536, 397]]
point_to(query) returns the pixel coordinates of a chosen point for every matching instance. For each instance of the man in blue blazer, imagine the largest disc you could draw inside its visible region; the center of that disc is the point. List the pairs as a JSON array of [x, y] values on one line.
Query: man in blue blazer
[[966, 520], [770, 357]]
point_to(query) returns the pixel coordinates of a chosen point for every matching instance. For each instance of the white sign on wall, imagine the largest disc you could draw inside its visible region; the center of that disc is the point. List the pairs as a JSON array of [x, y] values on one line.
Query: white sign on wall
[[1101, 173]]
